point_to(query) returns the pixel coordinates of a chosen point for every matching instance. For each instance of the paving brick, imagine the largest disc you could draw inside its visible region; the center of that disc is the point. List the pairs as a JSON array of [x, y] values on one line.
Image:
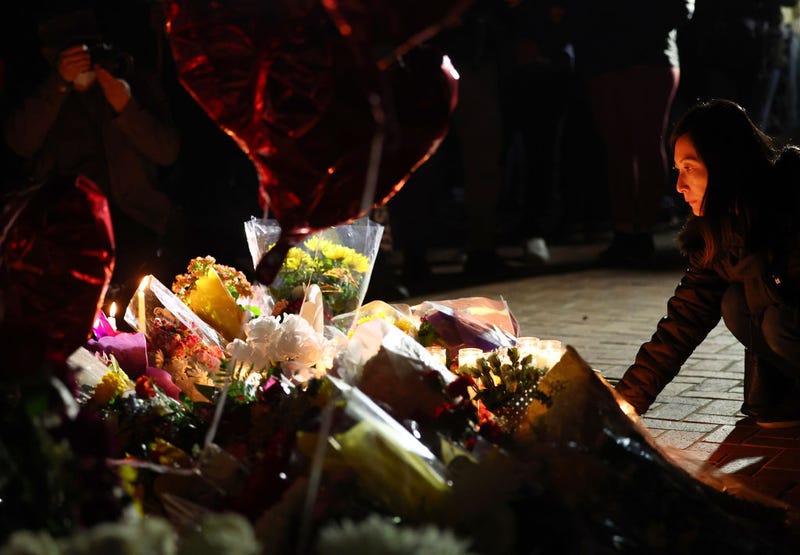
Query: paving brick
[[672, 411], [678, 438], [663, 424], [788, 459], [720, 434], [719, 395], [712, 419], [723, 407]]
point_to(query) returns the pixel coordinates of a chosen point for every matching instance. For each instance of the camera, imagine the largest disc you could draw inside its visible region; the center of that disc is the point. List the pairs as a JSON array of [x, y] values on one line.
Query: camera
[[116, 62]]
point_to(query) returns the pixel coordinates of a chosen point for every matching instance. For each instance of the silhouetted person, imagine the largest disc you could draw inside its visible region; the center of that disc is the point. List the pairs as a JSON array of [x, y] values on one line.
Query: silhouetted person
[[628, 53], [95, 113]]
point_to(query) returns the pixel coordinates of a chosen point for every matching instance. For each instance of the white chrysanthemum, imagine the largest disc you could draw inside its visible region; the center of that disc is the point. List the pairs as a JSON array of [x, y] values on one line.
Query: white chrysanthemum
[[297, 341], [262, 328], [296, 372], [222, 533], [377, 534], [248, 354]]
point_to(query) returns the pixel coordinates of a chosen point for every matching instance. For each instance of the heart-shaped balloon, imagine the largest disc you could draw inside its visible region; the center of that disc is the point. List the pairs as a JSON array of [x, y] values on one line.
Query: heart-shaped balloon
[[56, 261], [382, 30], [330, 135]]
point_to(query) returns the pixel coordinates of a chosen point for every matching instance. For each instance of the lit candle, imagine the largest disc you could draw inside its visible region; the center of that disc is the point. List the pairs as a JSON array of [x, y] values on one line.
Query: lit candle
[[469, 356], [550, 352], [112, 313], [141, 313], [439, 353], [528, 346]]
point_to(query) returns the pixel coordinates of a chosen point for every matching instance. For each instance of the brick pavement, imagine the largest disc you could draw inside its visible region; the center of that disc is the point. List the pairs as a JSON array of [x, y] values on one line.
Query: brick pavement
[[605, 315]]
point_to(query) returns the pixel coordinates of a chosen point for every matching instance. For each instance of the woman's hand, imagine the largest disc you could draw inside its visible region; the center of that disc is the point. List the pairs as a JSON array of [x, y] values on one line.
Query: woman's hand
[[117, 91]]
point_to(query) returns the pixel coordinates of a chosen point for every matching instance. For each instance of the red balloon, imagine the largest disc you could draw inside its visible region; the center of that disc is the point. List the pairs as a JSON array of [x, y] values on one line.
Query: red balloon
[[381, 30], [56, 261], [317, 120]]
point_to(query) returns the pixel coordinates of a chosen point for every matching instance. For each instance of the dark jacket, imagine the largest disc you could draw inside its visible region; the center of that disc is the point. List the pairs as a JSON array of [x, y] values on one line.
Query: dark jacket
[[614, 35], [695, 309]]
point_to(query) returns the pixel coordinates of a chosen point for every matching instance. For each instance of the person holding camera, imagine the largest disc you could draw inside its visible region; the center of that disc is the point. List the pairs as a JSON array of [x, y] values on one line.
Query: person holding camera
[[96, 114]]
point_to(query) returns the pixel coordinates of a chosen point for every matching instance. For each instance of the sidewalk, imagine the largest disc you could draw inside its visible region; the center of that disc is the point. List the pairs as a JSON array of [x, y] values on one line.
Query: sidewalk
[[605, 314]]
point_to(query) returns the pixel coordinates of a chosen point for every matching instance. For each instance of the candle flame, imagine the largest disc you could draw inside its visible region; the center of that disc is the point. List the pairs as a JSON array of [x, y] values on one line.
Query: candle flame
[[112, 310]]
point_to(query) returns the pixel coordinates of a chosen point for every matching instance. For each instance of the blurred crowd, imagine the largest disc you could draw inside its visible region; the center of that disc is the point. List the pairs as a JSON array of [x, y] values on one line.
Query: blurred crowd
[[558, 136]]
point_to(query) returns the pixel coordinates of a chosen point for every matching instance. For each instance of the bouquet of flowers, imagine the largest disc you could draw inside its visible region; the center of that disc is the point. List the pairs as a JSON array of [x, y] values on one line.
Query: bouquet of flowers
[[507, 384], [339, 260], [211, 291]]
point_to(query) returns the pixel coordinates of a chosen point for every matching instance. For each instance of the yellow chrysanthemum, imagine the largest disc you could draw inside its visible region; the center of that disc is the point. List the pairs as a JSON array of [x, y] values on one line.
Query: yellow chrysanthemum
[[315, 244], [336, 252], [357, 262], [110, 385], [406, 326], [296, 258]]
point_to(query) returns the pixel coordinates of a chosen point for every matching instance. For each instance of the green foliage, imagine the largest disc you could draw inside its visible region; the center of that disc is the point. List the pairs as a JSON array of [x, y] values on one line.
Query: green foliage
[[517, 377]]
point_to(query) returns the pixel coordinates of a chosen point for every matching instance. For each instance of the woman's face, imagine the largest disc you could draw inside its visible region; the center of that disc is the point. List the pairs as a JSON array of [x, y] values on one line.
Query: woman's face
[[692, 174]]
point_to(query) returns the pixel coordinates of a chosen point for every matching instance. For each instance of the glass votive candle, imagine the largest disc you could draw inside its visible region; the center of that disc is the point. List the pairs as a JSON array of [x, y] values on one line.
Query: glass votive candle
[[439, 353], [469, 356], [528, 345], [550, 352]]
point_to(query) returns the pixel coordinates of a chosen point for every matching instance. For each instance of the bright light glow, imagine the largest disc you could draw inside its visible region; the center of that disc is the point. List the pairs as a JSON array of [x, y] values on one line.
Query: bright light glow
[[626, 407], [112, 312], [447, 65], [469, 356]]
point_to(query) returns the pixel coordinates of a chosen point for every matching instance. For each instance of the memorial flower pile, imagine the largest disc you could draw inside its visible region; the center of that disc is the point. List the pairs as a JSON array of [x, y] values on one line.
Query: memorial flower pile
[[295, 436]]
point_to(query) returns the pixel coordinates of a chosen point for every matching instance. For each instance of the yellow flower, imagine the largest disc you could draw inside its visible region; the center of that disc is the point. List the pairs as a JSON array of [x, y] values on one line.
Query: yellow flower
[[406, 326], [357, 262], [296, 258], [110, 385], [336, 252], [315, 243]]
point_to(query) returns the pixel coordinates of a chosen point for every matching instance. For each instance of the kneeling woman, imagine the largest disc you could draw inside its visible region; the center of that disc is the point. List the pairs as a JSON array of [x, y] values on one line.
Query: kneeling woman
[[743, 248]]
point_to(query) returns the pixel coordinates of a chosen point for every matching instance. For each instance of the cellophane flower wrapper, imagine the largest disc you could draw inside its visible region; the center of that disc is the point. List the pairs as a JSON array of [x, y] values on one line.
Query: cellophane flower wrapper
[[210, 300], [392, 368], [178, 341], [339, 259], [399, 315], [480, 322], [593, 455], [393, 466]]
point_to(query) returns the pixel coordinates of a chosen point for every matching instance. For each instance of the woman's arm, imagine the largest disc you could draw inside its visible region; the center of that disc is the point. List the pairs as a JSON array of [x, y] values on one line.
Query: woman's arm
[[692, 312]]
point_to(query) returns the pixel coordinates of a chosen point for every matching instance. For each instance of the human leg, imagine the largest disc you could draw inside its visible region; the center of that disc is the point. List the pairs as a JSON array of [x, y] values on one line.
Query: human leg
[[654, 93], [771, 389], [478, 126], [612, 96]]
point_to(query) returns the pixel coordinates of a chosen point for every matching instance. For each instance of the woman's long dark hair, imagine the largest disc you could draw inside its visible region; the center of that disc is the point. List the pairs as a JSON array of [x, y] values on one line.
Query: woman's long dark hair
[[748, 177]]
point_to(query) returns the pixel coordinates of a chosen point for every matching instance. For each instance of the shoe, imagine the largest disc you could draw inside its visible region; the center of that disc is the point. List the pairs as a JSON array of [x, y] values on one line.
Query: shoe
[[774, 422], [535, 251]]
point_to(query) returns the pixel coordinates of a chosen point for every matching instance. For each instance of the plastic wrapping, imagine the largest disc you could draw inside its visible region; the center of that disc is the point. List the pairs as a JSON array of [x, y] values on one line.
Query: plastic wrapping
[[178, 341], [339, 260]]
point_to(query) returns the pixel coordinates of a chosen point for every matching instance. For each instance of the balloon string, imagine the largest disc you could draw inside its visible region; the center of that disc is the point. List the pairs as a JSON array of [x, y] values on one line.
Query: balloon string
[[223, 395], [376, 149], [315, 475]]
